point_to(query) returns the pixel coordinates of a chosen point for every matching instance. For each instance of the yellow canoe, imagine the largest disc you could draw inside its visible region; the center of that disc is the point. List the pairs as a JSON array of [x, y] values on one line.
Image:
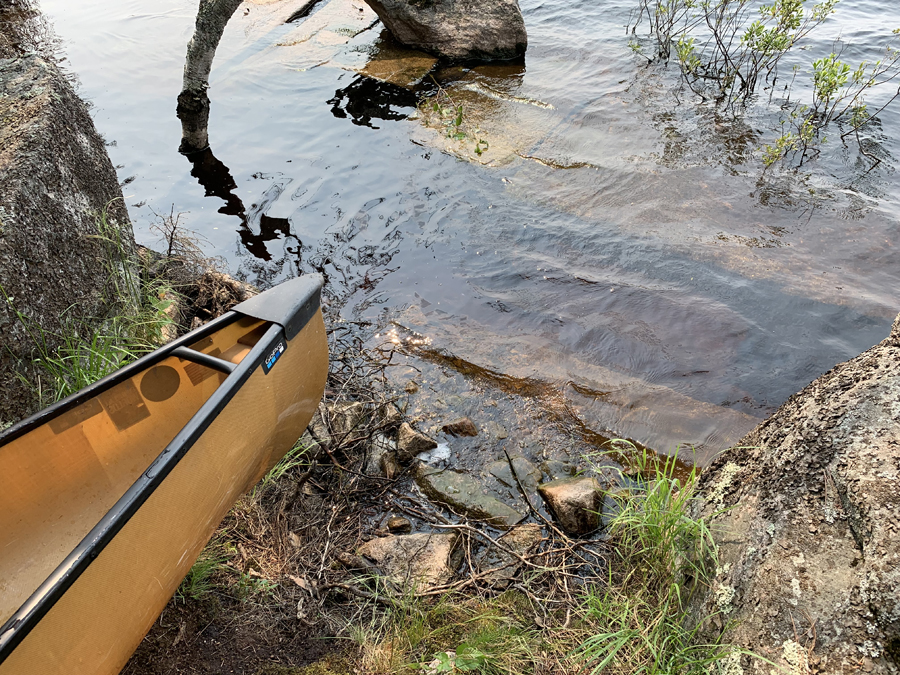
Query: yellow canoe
[[108, 497]]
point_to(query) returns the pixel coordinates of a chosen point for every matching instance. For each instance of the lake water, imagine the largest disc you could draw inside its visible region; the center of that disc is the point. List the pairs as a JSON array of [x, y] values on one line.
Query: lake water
[[616, 248]]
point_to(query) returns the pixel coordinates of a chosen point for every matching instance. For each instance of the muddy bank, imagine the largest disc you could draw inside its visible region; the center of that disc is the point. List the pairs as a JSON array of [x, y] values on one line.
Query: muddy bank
[[55, 181], [808, 539]]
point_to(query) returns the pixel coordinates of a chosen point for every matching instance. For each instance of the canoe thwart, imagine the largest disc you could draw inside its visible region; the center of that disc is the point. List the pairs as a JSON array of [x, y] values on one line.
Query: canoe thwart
[[207, 360]]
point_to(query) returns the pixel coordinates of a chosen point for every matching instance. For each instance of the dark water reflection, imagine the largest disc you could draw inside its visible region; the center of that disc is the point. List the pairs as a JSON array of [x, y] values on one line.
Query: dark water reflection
[[661, 285], [365, 99]]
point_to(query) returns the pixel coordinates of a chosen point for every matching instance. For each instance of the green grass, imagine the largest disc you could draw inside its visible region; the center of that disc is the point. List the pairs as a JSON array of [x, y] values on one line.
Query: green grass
[[199, 580], [662, 554], [293, 458]]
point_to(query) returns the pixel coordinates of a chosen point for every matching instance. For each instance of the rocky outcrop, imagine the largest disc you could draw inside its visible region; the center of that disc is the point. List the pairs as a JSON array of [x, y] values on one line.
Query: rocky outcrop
[[55, 178], [458, 30], [808, 526]]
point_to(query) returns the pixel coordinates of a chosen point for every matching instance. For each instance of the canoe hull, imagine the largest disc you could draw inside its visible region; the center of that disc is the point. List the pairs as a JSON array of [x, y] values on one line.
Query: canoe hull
[[95, 626]]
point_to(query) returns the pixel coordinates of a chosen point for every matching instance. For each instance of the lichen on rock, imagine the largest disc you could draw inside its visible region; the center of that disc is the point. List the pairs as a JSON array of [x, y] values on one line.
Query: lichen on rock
[[805, 514]]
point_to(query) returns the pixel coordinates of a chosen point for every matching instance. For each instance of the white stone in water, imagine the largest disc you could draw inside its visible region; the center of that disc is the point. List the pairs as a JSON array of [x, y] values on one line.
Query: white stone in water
[[439, 454]]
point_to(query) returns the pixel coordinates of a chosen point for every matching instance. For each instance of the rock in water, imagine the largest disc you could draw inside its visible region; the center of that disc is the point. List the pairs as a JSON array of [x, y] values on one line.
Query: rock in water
[[398, 525], [463, 493], [576, 503], [461, 427], [410, 443], [805, 513], [458, 30]]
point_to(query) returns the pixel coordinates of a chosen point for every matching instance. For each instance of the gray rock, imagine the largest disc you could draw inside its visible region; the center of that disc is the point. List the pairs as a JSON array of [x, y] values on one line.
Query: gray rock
[[520, 539], [495, 430], [461, 427], [805, 511], [414, 560], [575, 502], [410, 443], [458, 30], [55, 178], [390, 467], [529, 475], [464, 494]]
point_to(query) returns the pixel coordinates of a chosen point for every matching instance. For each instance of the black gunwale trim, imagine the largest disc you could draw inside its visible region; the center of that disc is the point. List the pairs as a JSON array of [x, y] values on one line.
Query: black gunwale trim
[[73, 566]]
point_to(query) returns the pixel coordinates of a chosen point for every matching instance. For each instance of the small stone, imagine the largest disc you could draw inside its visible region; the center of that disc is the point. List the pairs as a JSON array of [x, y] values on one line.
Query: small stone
[[556, 469], [381, 445], [352, 562], [411, 387], [495, 430], [391, 417], [410, 443], [461, 427], [576, 503], [398, 525]]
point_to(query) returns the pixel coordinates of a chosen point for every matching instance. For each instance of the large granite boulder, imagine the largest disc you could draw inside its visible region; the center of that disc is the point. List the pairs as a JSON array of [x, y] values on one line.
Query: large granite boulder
[[457, 30], [808, 526], [55, 177]]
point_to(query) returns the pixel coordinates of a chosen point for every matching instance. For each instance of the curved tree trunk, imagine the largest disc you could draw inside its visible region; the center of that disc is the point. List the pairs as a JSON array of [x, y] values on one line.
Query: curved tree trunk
[[193, 103]]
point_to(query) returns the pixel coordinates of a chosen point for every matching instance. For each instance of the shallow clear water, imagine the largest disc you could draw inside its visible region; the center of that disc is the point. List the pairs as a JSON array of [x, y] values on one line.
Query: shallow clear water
[[623, 250]]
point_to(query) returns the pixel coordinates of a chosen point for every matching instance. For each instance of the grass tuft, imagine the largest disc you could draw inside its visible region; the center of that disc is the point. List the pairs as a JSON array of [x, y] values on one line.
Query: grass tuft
[[661, 555]]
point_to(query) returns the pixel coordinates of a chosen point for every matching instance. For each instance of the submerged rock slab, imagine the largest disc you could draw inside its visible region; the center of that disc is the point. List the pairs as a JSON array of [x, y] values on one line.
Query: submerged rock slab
[[396, 64], [459, 30], [527, 473], [419, 560], [464, 494], [808, 525], [55, 179]]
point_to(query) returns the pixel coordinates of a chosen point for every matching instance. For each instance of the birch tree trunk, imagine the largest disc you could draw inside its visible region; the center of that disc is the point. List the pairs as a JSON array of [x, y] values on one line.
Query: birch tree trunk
[[193, 102]]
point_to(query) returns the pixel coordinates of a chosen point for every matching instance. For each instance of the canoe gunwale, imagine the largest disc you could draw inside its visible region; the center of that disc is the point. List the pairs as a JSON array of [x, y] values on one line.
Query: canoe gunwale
[[29, 614]]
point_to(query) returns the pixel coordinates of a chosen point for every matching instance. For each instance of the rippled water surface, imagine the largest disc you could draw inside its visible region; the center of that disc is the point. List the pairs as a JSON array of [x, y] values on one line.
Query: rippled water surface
[[618, 244]]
